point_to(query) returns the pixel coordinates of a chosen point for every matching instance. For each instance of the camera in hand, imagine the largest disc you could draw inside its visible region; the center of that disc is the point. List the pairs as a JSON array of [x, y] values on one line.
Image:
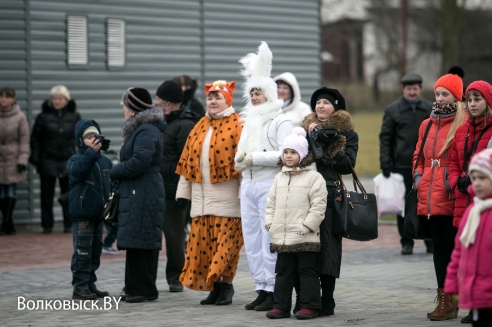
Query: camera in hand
[[104, 142], [463, 183]]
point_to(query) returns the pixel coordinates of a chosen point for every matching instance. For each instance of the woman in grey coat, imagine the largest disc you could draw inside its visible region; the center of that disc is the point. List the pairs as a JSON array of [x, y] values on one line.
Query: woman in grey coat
[[141, 191]]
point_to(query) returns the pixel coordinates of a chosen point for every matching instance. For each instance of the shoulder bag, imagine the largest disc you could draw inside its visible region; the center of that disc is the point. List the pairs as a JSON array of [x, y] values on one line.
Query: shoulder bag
[[111, 207], [414, 226], [355, 214]]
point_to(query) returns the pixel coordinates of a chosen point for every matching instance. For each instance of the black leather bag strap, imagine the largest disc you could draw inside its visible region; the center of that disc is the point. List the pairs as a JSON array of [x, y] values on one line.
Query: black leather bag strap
[[468, 154], [422, 144]]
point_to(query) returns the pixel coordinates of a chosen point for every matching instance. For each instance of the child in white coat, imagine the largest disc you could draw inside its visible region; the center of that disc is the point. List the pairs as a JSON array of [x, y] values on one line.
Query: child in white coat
[[295, 209]]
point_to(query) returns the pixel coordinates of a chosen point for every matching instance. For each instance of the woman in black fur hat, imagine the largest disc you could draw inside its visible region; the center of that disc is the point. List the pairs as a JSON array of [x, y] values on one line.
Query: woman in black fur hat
[[331, 128]]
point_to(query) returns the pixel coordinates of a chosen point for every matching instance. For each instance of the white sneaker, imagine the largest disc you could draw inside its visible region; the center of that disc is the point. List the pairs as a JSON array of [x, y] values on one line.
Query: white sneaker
[[110, 250]]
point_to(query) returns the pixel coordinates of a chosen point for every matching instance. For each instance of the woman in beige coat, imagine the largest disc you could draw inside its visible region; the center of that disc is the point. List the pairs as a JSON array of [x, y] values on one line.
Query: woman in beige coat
[[209, 179], [14, 154]]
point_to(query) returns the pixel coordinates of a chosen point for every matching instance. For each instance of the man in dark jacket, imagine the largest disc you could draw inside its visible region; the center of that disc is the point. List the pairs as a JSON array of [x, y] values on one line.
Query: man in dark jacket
[[398, 138], [180, 121], [88, 171]]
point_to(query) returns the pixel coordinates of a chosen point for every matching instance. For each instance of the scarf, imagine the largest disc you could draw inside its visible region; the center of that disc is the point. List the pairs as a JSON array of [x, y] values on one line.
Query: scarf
[[256, 117], [445, 109], [467, 236], [223, 146]]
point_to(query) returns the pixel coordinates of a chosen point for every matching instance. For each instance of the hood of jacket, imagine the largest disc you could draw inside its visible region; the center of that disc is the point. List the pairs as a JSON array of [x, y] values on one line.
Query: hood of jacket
[[79, 131], [290, 79], [10, 111], [47, 107]]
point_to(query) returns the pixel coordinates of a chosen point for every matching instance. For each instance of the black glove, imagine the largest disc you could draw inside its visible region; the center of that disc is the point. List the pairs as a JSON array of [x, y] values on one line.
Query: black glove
[[105, 144], [386, 173], [182, 203], [328, 133], [21, 168]]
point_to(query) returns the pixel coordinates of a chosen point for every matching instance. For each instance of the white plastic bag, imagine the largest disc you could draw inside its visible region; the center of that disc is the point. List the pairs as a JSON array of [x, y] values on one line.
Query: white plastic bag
[[390, 194]]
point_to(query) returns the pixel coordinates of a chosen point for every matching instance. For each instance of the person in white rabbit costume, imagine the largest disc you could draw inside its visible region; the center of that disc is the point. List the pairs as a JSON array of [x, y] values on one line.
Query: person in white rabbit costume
[[263, 134]]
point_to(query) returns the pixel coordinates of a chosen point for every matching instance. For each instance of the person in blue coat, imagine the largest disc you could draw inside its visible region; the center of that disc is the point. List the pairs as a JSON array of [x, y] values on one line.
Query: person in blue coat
[[89, 190], [141, 190]]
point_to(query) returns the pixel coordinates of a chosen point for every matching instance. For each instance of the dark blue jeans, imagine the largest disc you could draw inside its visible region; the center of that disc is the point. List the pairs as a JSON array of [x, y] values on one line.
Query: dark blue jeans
[[87, 248]]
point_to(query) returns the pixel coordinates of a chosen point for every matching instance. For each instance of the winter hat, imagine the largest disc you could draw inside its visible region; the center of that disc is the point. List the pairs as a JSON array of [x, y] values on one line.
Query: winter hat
[[482, 87], [451, 82], [226, 88], [90, 130], [481, 162], [257, 70], [137, 99], [410, 79], [296, 141], [60, 90], [170, 91], [332, 95]]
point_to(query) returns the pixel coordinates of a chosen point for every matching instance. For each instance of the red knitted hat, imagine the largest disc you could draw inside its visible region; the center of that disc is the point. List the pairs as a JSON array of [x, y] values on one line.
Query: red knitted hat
[[482, 87], [451, 82]]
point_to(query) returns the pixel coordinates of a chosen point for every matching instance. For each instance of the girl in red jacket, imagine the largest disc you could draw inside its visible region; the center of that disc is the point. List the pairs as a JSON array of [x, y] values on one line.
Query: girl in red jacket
[[469, 272], [471, 137], [435, 197]]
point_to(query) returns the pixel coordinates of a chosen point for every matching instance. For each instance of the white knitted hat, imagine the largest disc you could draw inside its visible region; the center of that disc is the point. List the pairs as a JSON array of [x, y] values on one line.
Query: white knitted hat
[[296, 141]]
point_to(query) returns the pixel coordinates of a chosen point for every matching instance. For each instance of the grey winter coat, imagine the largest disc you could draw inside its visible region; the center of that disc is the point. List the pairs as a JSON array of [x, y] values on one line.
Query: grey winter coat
[[14, 145]]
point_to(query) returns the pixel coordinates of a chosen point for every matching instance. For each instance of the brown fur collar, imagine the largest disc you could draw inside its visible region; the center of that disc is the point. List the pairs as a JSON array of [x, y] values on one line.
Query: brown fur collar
[[343, 123], [308, 246]]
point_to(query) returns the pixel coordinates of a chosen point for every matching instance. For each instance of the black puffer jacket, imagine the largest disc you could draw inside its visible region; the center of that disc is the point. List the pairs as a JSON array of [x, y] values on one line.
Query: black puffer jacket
[[52, 139], [88, 172], [400, 132], [339, 157], [179, 125], [141, 189]]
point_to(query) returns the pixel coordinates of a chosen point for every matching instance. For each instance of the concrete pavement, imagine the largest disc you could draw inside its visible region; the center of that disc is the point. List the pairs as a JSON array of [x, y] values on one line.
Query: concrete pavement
[[378, 287]]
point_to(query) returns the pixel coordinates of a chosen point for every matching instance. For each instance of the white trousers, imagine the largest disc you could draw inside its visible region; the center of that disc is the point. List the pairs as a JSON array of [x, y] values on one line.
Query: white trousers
[[256, 238]]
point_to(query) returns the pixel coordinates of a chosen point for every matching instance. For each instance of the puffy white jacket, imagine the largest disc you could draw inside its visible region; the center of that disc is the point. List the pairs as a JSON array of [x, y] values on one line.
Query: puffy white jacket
[[296, 207]]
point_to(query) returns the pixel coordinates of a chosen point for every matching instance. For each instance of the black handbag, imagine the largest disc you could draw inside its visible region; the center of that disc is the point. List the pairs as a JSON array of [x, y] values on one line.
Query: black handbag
[[111, 207], [355, 214], [414, 226]]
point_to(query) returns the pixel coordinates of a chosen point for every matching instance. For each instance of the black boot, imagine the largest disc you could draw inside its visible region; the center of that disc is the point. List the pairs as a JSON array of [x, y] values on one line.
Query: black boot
[[7, 206], [259, 299], [327, 301], [100, 294], [212, 296], [266, 305], [226, 293], [327, 307]]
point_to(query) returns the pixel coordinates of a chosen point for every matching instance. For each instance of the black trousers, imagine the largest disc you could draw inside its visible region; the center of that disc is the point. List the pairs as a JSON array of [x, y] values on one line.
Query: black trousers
[[484, 318], [174, 234], [442, 233], [289, 267], [47, 194], [408, 180], [141, 272]]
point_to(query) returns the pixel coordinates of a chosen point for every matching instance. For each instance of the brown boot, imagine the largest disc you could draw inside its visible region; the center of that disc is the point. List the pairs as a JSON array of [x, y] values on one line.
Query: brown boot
[[445, 309]]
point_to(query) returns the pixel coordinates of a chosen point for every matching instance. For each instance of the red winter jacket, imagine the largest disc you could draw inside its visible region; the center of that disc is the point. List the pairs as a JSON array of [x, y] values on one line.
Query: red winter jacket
[[435, 197], [472, 128], [469, 273]]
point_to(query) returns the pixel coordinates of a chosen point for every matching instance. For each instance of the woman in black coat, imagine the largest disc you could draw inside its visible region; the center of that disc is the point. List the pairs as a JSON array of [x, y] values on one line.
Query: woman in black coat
[[332, 129], [52, 144], [141, 190]]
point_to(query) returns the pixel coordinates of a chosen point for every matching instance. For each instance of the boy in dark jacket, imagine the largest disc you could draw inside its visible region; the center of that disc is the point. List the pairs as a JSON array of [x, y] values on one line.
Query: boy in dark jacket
[[89, 190]]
